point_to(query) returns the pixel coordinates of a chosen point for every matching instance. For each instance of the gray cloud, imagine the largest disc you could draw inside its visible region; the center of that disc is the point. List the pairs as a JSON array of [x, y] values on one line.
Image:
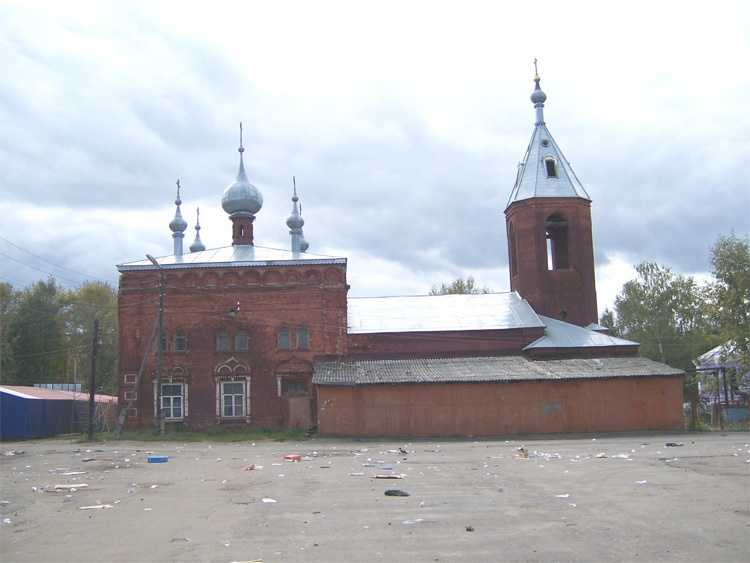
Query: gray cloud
[[404, 149]]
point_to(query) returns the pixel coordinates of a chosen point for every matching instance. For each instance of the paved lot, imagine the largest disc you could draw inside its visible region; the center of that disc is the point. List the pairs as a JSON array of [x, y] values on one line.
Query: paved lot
[[615, 498]]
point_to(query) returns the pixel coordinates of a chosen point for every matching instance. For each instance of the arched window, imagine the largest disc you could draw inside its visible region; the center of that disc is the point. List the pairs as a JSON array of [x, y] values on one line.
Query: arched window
[[284, 339], [303, 338], [180, 341], [222, 340], [240, 340], [558, 251], [550, 166], [163, 342], [513, 252]]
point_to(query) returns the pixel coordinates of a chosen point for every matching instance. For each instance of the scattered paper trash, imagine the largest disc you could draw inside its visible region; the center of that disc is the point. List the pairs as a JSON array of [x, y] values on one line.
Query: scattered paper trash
[[641, 482], [293, 458], [250, 467], [563, 496], [6, 520], [95, 507], [269, 501]]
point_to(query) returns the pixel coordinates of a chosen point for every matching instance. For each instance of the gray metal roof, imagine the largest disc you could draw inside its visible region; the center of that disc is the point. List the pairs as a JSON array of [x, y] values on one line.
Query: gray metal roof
[[559, 334], [232, 256], [425, 313], [482, 369], [532, 180]]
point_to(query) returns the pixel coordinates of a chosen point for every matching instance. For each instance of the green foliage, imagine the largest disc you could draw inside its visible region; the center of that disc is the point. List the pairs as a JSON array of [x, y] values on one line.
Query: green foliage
[[459, 286], [675, 320], [46, 334], [665, 313], [729, 293], [37, 336]]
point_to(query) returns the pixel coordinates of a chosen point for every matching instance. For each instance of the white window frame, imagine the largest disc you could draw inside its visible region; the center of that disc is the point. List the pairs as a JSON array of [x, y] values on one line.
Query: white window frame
[[168, 401], [185, 386], [237, 399]]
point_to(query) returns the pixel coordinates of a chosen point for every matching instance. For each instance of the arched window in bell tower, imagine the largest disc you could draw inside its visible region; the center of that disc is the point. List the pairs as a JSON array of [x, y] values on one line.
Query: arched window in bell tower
[[513, 252], [550, 166], [558, 251]]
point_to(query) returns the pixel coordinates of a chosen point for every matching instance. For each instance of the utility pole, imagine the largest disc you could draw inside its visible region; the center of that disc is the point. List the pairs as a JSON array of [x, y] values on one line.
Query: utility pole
[[159, 348], [92, 389]]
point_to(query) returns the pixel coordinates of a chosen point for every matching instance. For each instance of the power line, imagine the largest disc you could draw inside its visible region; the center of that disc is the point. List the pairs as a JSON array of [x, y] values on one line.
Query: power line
[[87, 276]]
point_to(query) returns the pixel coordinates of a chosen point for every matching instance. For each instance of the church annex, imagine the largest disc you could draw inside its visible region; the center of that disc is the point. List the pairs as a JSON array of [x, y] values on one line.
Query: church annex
[[258, 337]]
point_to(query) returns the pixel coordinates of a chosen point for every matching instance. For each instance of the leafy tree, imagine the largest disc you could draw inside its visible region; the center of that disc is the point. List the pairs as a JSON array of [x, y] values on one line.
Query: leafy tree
[[608, 320], [46, 334], [664, 312], [90, 302], [729, 308], [37, 335], [459, 286], [8, 304]]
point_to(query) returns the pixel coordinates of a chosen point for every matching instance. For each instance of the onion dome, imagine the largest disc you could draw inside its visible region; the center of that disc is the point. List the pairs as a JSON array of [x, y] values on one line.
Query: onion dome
[[178, 224], [197, 245], [295, 220], [538, 96], [241, 196]]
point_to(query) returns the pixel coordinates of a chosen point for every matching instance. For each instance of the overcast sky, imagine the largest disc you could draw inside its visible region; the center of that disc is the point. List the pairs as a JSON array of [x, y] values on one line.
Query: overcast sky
[[403, 123]]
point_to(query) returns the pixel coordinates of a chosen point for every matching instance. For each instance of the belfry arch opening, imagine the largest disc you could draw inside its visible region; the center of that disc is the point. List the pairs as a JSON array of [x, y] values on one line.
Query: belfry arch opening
[[558, 244], [513, 251]]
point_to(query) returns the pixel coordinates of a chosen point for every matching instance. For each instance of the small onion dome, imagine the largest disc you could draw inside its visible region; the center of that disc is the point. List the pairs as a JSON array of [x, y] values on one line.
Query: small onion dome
[[241, 196], [198, 245], [303, 244], [178, 224], [538, 97], [295, 220]]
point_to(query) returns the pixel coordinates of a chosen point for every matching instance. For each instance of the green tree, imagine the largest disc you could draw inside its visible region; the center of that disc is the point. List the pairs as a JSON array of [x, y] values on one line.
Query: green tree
[[729, 305], [459, 286], [608, 320], [664, 312], [90, 302], [8, 305], [37, 334]]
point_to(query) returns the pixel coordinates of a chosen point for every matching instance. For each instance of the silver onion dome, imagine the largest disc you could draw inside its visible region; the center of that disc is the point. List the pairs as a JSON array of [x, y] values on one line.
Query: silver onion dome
[[241, 196]]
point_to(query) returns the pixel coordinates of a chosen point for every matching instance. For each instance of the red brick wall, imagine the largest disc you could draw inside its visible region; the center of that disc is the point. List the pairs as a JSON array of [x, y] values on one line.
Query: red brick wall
[[446, 342], [550, 292], [198, 300], [493, 409]]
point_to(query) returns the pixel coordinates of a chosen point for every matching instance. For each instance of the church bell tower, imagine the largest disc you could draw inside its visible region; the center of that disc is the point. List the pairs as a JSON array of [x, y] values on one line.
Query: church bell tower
[[548, 222]]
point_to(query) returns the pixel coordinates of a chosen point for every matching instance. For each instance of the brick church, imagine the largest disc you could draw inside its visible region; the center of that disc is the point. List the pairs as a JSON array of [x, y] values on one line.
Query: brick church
[[258, 337]]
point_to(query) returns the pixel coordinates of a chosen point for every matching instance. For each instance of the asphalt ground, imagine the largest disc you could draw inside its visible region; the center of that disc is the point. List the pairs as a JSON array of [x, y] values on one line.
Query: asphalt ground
[[583, 498]]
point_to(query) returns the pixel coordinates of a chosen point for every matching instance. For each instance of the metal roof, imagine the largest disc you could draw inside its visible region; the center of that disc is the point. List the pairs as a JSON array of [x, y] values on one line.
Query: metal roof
[[482, 369], [425, 313], [559, 334], [532, 180], [39, 393], [232, 257]]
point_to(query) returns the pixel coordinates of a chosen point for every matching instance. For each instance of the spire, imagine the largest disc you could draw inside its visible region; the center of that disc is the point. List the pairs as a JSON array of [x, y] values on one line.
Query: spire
[[242, 200], [178, 225], [295, 222], [197, 245], [544, 171]]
